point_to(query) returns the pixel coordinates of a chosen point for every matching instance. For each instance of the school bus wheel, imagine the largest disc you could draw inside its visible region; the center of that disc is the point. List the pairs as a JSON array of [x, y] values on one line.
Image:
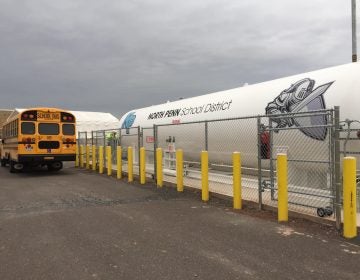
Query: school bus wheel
[[55, 166], [16, 167]]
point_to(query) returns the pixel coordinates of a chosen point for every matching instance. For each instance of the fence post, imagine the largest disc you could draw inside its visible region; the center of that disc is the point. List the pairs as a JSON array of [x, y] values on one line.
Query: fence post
[[272, 168], [337, 167], [77, 155], [159, 168], [119, 162], [119, 139], [108, 160], [130, 164], [349, 196], [237, 202], [93, 158], [104, 144], [204, 176], [139, 145], [179, 170], [87, 156], [259, 162], [282, 187], [96, 139], [142, 165], [206, 136], [79, 143], [81, 156], [101, 159], [155, 131]]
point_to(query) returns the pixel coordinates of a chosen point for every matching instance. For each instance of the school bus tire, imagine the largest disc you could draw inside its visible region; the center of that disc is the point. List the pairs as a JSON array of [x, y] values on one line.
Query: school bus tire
[[3, 162], [55, 166], [13, 168]]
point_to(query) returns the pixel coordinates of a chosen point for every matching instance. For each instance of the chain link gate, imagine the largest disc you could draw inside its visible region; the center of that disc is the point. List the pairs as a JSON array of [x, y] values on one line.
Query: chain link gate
[[311, 161]]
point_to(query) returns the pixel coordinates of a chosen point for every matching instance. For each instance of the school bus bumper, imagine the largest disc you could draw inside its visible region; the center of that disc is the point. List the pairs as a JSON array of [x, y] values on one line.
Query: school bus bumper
[[46, 158]]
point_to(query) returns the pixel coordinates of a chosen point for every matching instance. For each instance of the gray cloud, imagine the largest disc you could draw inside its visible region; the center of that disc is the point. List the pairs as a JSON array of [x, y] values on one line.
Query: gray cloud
[[118, 55]]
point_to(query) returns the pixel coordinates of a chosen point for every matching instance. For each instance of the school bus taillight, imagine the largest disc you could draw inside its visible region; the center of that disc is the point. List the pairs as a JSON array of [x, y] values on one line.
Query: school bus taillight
[[29, 116], [66, 117]]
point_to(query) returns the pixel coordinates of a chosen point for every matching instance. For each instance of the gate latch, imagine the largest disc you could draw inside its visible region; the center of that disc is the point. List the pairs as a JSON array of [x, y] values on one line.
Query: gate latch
[[265, 185]]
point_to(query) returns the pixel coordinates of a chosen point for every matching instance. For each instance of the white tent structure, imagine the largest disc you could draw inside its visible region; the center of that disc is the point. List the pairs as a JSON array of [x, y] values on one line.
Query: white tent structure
[[91, 121], [85, 121]]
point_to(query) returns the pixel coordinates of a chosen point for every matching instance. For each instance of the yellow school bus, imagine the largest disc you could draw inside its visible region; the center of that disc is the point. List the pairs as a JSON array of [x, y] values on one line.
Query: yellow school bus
[[38, 136]]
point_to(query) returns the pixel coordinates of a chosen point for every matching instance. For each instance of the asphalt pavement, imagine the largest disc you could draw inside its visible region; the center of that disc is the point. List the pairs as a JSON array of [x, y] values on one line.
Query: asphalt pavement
[[76, 224]]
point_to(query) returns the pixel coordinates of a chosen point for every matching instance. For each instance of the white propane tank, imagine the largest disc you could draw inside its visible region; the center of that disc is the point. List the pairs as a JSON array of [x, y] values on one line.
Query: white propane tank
[[335, 86]]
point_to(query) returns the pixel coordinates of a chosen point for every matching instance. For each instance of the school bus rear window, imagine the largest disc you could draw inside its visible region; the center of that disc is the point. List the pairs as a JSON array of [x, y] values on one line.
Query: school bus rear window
[[68, 129], [27, 128], [48, 128]]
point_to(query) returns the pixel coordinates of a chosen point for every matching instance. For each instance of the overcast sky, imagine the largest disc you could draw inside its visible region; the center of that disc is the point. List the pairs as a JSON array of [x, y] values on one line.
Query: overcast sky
[[118, 55]]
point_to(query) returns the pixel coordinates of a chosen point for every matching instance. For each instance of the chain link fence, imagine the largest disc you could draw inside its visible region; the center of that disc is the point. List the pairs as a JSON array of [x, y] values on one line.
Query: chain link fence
[[148, 142], [182, 136], [236, 135], [308, 138]]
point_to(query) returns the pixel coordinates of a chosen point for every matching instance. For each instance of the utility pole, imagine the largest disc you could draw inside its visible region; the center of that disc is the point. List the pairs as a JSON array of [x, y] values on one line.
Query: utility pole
[[353, 23]]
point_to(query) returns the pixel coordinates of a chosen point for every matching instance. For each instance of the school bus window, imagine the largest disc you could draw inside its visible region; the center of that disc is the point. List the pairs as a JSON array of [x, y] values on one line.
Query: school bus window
[[48, 128], [68, 129], [27, 128]]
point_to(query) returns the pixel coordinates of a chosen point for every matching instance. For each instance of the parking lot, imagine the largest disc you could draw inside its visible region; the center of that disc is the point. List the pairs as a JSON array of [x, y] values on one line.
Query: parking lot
[[76, 224]]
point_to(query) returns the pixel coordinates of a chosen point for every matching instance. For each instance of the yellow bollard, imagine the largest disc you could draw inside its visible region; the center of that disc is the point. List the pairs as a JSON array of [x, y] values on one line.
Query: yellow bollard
[[237, 180], [142, 165], [108, 160], [93, 158], [87, 156], [205, 176], [159, 169], [130, 165], [81, 156], [101, 159], [282, 188], [77, 156], [349, 195], [118, 162], [179, 170]]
